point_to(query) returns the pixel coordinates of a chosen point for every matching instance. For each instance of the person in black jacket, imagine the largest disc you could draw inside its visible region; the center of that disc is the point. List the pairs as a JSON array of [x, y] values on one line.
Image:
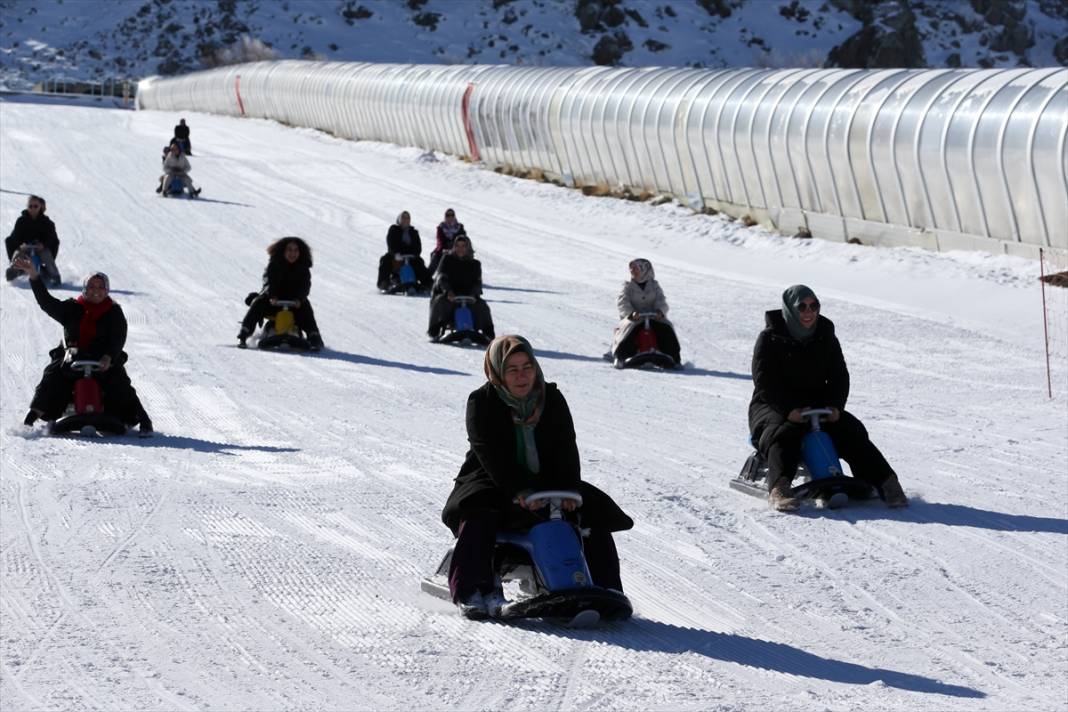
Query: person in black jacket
[[287, 277], [798, 364], [181, 133], [459, 274], [96, 327], [522, 439], [402, 239], [34, 231]]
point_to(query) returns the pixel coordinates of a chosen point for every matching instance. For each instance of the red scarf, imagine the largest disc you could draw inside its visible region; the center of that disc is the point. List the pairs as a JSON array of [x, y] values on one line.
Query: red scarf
[[91, 313]]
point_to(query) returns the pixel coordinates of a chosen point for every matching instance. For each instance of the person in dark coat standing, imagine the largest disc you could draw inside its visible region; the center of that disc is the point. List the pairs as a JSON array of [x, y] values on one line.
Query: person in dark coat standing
[[797, 365], [287, 278], [403, 239], [181, 133], [448, 230], [460, 274], [96, 327], [34, 231], [522, 440]]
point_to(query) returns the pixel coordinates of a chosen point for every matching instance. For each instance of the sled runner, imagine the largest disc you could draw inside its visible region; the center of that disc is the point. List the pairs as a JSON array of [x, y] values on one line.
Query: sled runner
[[820, 473]]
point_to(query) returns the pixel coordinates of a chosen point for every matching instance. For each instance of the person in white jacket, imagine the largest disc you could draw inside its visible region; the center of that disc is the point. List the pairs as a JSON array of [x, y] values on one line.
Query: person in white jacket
[[642, 294], [176, 165]]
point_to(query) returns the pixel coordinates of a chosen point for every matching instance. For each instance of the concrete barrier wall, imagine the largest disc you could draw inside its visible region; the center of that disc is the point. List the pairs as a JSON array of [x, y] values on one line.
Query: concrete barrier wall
[[943, 159]]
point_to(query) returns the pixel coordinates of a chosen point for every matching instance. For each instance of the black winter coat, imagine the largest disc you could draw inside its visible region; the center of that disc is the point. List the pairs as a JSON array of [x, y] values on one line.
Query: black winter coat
[[395, 241], [181, 132], [40, 229], [789, 374], [110, 328], [491, 474], [460, 276], [288, 281]]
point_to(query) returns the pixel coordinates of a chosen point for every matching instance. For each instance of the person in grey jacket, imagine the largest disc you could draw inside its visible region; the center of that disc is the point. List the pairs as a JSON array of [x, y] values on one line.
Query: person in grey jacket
[[176, 165], [642, 294]]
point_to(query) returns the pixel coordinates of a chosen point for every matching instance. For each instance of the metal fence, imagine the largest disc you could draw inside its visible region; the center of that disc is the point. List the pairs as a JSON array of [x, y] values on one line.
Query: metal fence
[[944, 159]]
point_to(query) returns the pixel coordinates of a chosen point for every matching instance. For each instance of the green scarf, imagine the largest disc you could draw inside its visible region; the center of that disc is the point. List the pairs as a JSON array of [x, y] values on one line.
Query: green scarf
[[526, 411]]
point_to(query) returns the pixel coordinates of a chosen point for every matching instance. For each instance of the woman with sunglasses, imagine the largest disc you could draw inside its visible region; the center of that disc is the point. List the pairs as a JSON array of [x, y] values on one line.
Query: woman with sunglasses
[[797, 365], [34, 232]]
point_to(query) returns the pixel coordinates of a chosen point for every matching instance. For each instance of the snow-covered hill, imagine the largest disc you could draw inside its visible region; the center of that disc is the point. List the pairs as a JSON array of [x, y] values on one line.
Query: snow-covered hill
[[87, 39], [263, 551]]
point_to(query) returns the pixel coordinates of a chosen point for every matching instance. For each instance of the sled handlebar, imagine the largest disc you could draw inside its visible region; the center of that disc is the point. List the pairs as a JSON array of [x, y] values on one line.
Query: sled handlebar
[[398, 257], [85, 366], [463, 299], [285, 303], [814, 415], [555, 499]]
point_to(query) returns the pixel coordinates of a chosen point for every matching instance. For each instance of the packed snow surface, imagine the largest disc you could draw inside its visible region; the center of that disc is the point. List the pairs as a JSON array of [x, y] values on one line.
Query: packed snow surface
[[264, 550]]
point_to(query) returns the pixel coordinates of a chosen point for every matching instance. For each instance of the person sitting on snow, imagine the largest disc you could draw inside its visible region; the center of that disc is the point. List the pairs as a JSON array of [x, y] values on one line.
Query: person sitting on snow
[[459, 275], [448, 229], [96, 326], [34, 232], [642, 295], [522, 439], [287, 278], [798, 365], [401, 240], [176, 166]]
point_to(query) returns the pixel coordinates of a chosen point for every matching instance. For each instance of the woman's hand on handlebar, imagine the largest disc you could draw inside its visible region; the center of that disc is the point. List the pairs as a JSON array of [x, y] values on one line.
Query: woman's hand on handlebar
[[568, 505], [105, 362], [834, 415]]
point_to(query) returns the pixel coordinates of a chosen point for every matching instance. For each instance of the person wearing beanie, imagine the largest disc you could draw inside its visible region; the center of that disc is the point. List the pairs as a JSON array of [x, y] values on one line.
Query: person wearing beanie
[[459, 275], [403, 240], [642, 294], [95, 326], [797, 365], [522, 439]]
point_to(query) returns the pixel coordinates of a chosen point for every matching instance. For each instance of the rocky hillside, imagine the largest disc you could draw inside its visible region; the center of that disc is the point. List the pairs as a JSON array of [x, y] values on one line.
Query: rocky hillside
[[88, 39]]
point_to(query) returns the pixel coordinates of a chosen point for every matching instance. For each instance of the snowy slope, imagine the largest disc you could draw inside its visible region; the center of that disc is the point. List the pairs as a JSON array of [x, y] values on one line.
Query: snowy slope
[[46, 39], [264, 550]]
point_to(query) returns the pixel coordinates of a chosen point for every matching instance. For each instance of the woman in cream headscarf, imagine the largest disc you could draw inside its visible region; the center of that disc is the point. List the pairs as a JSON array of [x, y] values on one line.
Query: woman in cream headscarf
[[522, 439], [642, 295]]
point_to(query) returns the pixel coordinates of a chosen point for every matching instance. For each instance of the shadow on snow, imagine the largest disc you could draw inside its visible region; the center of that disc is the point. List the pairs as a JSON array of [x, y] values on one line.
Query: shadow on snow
[[954, 515], [372, 361], [653, 636], [183, 442]]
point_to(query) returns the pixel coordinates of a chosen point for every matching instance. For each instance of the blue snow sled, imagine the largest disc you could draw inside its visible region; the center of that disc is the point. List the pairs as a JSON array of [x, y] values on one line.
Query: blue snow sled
[[462, 329], [820, 472], [174, 186], [403, 279], [548, 564]]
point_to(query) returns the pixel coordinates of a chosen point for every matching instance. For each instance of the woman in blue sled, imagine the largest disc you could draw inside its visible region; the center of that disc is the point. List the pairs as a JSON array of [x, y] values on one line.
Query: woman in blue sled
[[797, 365], [522, 440]]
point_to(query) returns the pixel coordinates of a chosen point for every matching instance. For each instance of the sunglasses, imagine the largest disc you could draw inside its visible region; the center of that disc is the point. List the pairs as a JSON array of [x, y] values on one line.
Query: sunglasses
[[450, 215], [805, 306], [34, 205]]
